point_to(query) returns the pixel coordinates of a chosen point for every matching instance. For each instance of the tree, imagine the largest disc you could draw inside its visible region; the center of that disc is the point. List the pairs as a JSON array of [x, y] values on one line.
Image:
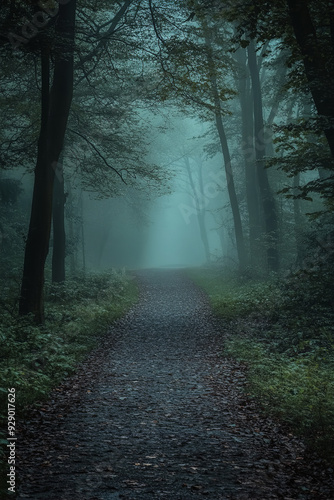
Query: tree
[[266, 195], [192, 72], [248, 149], [304, 31], [226, 152], [318, 57], [54, 115], [58, 226], [106, 132], [198, 196]]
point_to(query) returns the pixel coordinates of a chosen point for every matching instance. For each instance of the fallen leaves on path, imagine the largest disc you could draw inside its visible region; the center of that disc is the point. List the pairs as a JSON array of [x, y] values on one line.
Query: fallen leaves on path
[[156, 412]]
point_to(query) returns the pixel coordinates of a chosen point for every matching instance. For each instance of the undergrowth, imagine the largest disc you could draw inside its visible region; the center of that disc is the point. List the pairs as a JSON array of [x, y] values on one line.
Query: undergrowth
[[34, 359], [283, 329]]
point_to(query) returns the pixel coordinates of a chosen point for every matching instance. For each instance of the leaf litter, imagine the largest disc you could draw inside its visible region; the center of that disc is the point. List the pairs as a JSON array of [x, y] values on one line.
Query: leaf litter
[[157, 412]]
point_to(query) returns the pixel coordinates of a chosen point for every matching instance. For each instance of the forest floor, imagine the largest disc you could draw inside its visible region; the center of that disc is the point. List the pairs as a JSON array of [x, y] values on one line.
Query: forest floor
[[158, 412]]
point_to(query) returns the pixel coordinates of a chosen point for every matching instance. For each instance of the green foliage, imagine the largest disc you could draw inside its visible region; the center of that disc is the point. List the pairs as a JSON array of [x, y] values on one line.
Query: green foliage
[[306, 153], [234, 296], [298, 390], [284, 330], [35, 359]]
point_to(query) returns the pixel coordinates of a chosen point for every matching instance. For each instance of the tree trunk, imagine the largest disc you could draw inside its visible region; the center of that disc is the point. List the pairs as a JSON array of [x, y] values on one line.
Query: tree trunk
[[307, 113], [82, 230], [252, 191], [37, 244], [239, 237], [266, 195], [72, 237], [59, 238], [318, 64], [280, 80], [231, 192], [202, 214], [199, 212], [55, 111], [298, 221]]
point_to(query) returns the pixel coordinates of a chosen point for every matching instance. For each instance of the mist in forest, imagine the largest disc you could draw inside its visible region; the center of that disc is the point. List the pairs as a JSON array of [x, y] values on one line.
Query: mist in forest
[[168, 233], [196, 137], [150, 229], [194, 142]]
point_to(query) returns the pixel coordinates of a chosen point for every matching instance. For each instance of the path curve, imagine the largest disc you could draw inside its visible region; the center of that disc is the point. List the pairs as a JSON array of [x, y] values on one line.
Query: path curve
[[158, 413]]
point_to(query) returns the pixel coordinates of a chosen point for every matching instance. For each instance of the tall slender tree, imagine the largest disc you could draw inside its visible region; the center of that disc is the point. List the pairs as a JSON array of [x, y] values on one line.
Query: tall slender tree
[[239, 236], [55, 109], [266, 194], [248, 149]]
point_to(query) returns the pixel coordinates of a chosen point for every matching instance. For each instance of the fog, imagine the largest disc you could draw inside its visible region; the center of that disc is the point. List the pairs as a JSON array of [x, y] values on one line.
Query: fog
[[167, 241], [171, 240], [170, 180], [159, 230]]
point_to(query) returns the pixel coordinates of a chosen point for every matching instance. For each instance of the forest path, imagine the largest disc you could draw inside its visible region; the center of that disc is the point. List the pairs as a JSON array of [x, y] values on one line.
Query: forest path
[[156, 413]]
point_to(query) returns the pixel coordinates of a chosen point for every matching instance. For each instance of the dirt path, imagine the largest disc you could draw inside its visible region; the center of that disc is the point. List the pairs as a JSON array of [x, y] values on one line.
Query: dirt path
[[156, 413]]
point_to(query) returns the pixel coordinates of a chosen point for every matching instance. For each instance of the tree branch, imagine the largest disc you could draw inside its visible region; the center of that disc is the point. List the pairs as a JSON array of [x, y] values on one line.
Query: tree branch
[[98, 153], [105, 37]]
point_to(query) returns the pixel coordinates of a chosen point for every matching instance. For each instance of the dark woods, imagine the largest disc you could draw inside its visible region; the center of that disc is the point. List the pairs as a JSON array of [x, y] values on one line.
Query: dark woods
[[129, 127], [276, 60]]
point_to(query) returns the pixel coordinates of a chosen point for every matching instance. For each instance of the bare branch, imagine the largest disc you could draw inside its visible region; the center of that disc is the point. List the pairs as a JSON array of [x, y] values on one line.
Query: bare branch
[[98, 153]]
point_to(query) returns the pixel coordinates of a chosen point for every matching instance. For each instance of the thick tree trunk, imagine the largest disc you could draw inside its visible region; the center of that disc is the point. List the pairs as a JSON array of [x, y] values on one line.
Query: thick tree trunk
[[37, 244], [55, 111], [266, 195], [59, 238], [318, 64]]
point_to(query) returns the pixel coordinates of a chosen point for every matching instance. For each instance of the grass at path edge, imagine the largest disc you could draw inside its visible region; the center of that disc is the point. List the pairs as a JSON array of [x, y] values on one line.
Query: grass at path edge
[[35, 359], [289, 353]]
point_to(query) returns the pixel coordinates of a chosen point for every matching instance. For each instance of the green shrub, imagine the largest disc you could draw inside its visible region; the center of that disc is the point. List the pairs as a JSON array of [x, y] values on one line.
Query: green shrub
[[232, 296]]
